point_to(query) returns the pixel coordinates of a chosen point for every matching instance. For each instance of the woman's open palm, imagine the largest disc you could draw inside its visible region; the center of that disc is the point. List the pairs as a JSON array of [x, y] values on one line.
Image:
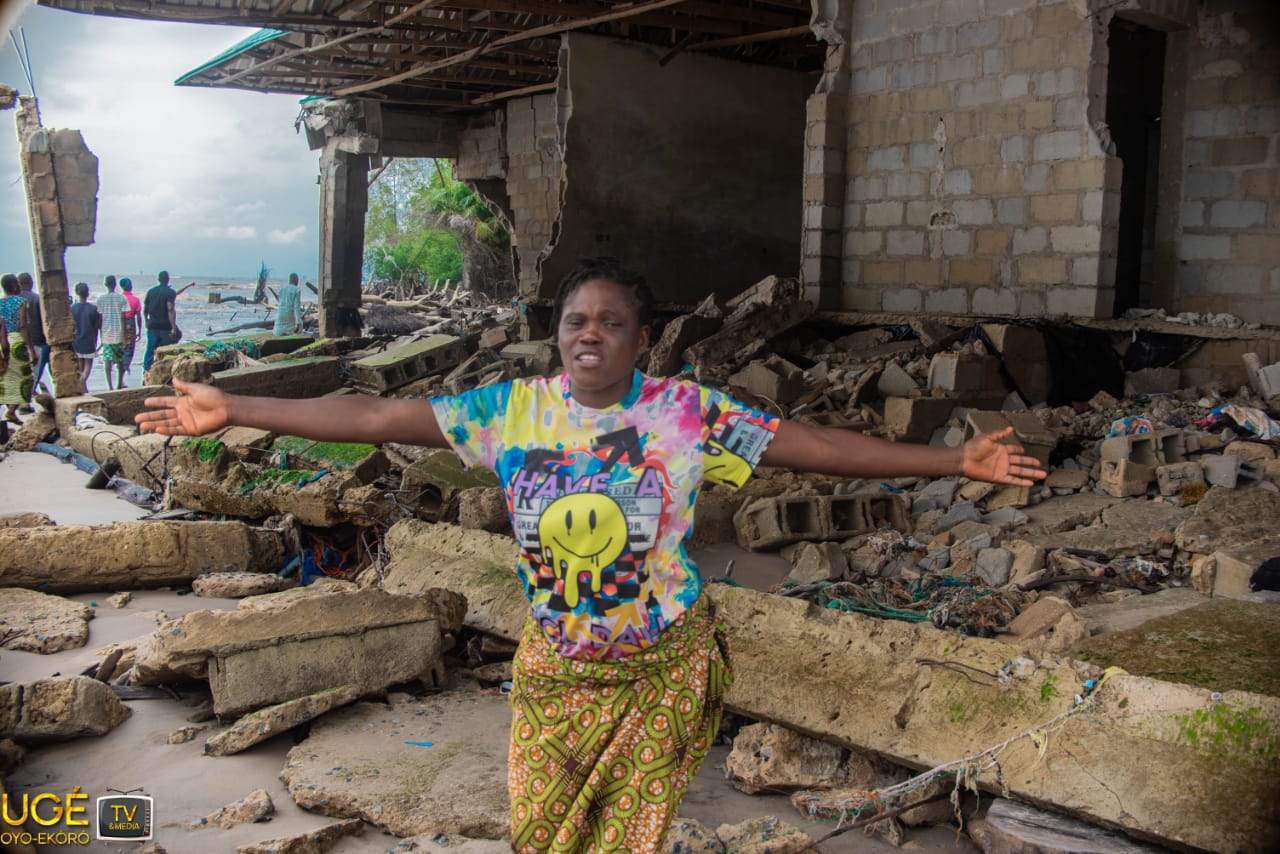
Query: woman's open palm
[[196, 410]]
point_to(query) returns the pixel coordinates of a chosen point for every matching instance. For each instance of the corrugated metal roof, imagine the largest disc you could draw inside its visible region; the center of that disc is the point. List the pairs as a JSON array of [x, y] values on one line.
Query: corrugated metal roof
[[247, 43]]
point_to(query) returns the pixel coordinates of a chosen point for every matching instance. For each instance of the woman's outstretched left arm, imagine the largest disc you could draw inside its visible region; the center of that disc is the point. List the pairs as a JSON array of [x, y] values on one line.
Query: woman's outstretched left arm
[[828, 450]]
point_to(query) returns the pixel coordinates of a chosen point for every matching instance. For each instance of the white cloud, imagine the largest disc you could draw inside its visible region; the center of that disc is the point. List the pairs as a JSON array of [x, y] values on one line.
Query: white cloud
[[230, 232], [190, 178], [292, 235]]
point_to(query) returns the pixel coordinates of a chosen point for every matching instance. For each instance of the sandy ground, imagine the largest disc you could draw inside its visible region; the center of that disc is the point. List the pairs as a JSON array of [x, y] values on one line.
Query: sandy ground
[[187, 785]]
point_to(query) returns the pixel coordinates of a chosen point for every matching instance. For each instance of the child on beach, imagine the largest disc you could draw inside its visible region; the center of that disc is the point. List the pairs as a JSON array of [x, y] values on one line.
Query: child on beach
[[622, 665], [88, 321]]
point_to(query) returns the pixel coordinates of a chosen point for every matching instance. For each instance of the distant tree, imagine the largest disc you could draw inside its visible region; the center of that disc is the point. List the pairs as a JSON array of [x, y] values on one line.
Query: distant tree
[[424, 228]]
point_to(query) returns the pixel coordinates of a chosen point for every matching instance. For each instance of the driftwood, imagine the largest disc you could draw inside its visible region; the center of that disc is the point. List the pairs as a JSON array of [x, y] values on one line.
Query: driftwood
[[257, 324]]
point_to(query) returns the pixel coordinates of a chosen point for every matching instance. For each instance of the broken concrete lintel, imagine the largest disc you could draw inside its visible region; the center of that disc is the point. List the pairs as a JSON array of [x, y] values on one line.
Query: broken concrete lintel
[[181, 648], [132, 555], [1145, 738]]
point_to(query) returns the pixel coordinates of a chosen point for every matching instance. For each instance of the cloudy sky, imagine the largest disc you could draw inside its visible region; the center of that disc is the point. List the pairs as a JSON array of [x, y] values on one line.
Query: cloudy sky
[[203, 182]]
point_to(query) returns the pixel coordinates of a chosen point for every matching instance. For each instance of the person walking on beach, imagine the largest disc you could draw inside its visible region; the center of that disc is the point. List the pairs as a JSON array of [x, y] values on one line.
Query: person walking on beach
[[289, 311], [88, 321], [35, 322], [161, 316], [132, 327], [622, 664], [112, 307], [15, 379]]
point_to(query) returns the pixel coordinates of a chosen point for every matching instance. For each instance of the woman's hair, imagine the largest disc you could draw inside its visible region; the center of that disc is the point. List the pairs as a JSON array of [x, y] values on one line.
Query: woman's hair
[[10, 283], [609, 269], [82, 290]]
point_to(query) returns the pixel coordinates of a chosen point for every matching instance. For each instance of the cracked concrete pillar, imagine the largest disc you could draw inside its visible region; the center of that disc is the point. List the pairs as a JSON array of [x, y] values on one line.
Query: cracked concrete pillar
[[61, 178], [344, 199]]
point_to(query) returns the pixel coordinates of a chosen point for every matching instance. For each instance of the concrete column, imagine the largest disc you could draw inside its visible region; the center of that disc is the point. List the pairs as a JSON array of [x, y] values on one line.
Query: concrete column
[[49, 244], [826, 140], [344, 199]]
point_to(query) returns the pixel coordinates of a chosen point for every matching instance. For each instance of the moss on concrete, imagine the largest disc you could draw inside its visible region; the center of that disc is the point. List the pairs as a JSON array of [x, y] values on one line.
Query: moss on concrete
[[341, 455], [1227, 730], [1222, 645]]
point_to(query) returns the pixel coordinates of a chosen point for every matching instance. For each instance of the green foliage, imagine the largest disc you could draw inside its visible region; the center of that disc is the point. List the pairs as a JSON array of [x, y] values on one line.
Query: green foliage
[[1049, 689], [420, 221]]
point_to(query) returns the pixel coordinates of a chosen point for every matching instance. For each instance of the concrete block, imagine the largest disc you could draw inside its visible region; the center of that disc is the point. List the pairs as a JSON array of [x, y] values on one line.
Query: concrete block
[[993, 566], [915, 419], [1171, 446], [1174, 477], [57, 709], [1140, 448], [813, 562], [1025, 358], [1123, 478], [1222, 470], [770, 522], [397, 366], [65, 409], [964, 372], [297, 378], [774, 378], [1253, 452], [895, 382], [1265, 380]]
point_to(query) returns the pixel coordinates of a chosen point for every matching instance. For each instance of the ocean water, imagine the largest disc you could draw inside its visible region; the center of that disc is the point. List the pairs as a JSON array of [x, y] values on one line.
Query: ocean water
[[197, 317]]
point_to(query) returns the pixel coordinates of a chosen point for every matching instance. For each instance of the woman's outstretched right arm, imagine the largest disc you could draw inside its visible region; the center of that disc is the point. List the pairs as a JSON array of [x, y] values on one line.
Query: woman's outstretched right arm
[[201, 409]]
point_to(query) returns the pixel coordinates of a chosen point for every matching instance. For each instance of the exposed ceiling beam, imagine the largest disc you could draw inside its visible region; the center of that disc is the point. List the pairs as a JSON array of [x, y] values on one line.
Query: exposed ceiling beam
[[536, 32], [772, 35], [514, 93]]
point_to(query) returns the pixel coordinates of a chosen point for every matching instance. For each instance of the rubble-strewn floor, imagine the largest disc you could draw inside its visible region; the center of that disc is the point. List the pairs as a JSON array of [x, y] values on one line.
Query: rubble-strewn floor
[[187, 785]]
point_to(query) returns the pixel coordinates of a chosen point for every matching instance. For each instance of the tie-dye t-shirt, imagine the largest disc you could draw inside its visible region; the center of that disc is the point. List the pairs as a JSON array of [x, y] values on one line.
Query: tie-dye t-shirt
[[601, 500]]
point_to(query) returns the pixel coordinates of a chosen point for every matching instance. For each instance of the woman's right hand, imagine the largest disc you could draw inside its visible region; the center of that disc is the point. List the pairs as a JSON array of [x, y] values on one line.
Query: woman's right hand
[[197, 410]]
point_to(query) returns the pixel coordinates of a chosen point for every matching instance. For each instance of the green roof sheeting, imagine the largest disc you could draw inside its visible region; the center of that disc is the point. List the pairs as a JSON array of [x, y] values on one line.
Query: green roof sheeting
[[248, 43]]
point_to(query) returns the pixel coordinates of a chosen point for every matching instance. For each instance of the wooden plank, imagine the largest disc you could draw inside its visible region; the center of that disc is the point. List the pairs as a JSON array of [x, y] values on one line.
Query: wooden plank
[[515, 93]]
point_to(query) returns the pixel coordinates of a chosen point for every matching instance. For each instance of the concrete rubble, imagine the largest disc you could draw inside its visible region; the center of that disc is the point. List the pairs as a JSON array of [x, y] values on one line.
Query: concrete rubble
[[38, 622], [1153, 489], [285, 646], [58, 709]]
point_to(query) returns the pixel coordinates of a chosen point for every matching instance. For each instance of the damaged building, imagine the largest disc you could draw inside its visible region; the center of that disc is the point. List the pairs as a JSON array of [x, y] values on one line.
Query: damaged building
[[923, 220]]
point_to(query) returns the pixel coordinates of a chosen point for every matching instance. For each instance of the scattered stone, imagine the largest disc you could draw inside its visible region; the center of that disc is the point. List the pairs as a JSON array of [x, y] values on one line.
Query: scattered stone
[[1050, 624], [263, 724], [771, 758], [763, 835], [11, 755], [1174, 478], [1252, 452], [484, 509], [407, 780], [185, 734], [38, 622], [24, 520], [1067, 479], [493, 674], [962, 512], [119, 600], [993, 566], [314, 842], [813, 562], [254, 806], [238, 585]]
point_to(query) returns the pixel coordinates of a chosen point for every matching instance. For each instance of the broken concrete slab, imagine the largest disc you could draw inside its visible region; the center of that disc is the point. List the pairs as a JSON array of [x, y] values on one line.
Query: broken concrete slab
[[254, 806], [58, 709], [1225, 518], [256, 492], [665, 357], [425, 556], [1048, 626], [407, 781], [37, 622], [767, 309], [296, 378], [312, 842], [1064, 512], [238, 585], [364, 462], [38, 427], [432, 484], [75, 558], [485, 509], [273, 720], [773, 521], [1025, 357], [291, 644]]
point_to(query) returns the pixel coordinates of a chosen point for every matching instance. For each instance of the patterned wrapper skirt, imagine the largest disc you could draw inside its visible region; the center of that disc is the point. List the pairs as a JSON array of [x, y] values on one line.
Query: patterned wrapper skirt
[[130, 341], [15, 382], [602, 751]]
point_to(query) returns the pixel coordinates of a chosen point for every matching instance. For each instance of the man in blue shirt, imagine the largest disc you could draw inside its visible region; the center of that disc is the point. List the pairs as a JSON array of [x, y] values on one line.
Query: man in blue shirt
[[161, 317]]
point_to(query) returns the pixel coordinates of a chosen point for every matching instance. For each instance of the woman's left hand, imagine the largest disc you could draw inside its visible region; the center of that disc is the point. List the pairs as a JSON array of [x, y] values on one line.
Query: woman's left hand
[[984, 457]]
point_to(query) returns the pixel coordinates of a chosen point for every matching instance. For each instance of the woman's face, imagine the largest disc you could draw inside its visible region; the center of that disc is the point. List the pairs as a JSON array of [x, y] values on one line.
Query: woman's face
[[600, 338]]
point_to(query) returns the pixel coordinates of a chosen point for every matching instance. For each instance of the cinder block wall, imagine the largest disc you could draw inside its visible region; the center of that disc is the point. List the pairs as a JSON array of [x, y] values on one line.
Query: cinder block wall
[[520, 145], [977, 173], [1229, 255], [974, 182]]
